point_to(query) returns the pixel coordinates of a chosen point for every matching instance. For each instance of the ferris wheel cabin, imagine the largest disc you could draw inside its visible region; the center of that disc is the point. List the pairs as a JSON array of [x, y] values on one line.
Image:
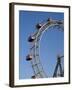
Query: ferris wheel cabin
[[33, 77], [31, 38], [38, 26], [29, 57]]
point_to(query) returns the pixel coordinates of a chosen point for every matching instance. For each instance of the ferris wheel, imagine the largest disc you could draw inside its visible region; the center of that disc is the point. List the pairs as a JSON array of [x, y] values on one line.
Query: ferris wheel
[[33, 57]]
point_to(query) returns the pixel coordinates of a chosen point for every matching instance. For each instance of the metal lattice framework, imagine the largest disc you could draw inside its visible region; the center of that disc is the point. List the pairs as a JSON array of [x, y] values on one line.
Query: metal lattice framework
[[34, 40], [60, 72]]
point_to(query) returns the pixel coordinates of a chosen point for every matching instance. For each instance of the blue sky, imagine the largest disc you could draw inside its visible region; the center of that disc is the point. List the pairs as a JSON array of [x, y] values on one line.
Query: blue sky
[[51, 44]]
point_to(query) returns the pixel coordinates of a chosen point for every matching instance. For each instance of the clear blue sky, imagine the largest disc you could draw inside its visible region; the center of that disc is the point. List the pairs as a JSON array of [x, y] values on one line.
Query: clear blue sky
[[51, 44]]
